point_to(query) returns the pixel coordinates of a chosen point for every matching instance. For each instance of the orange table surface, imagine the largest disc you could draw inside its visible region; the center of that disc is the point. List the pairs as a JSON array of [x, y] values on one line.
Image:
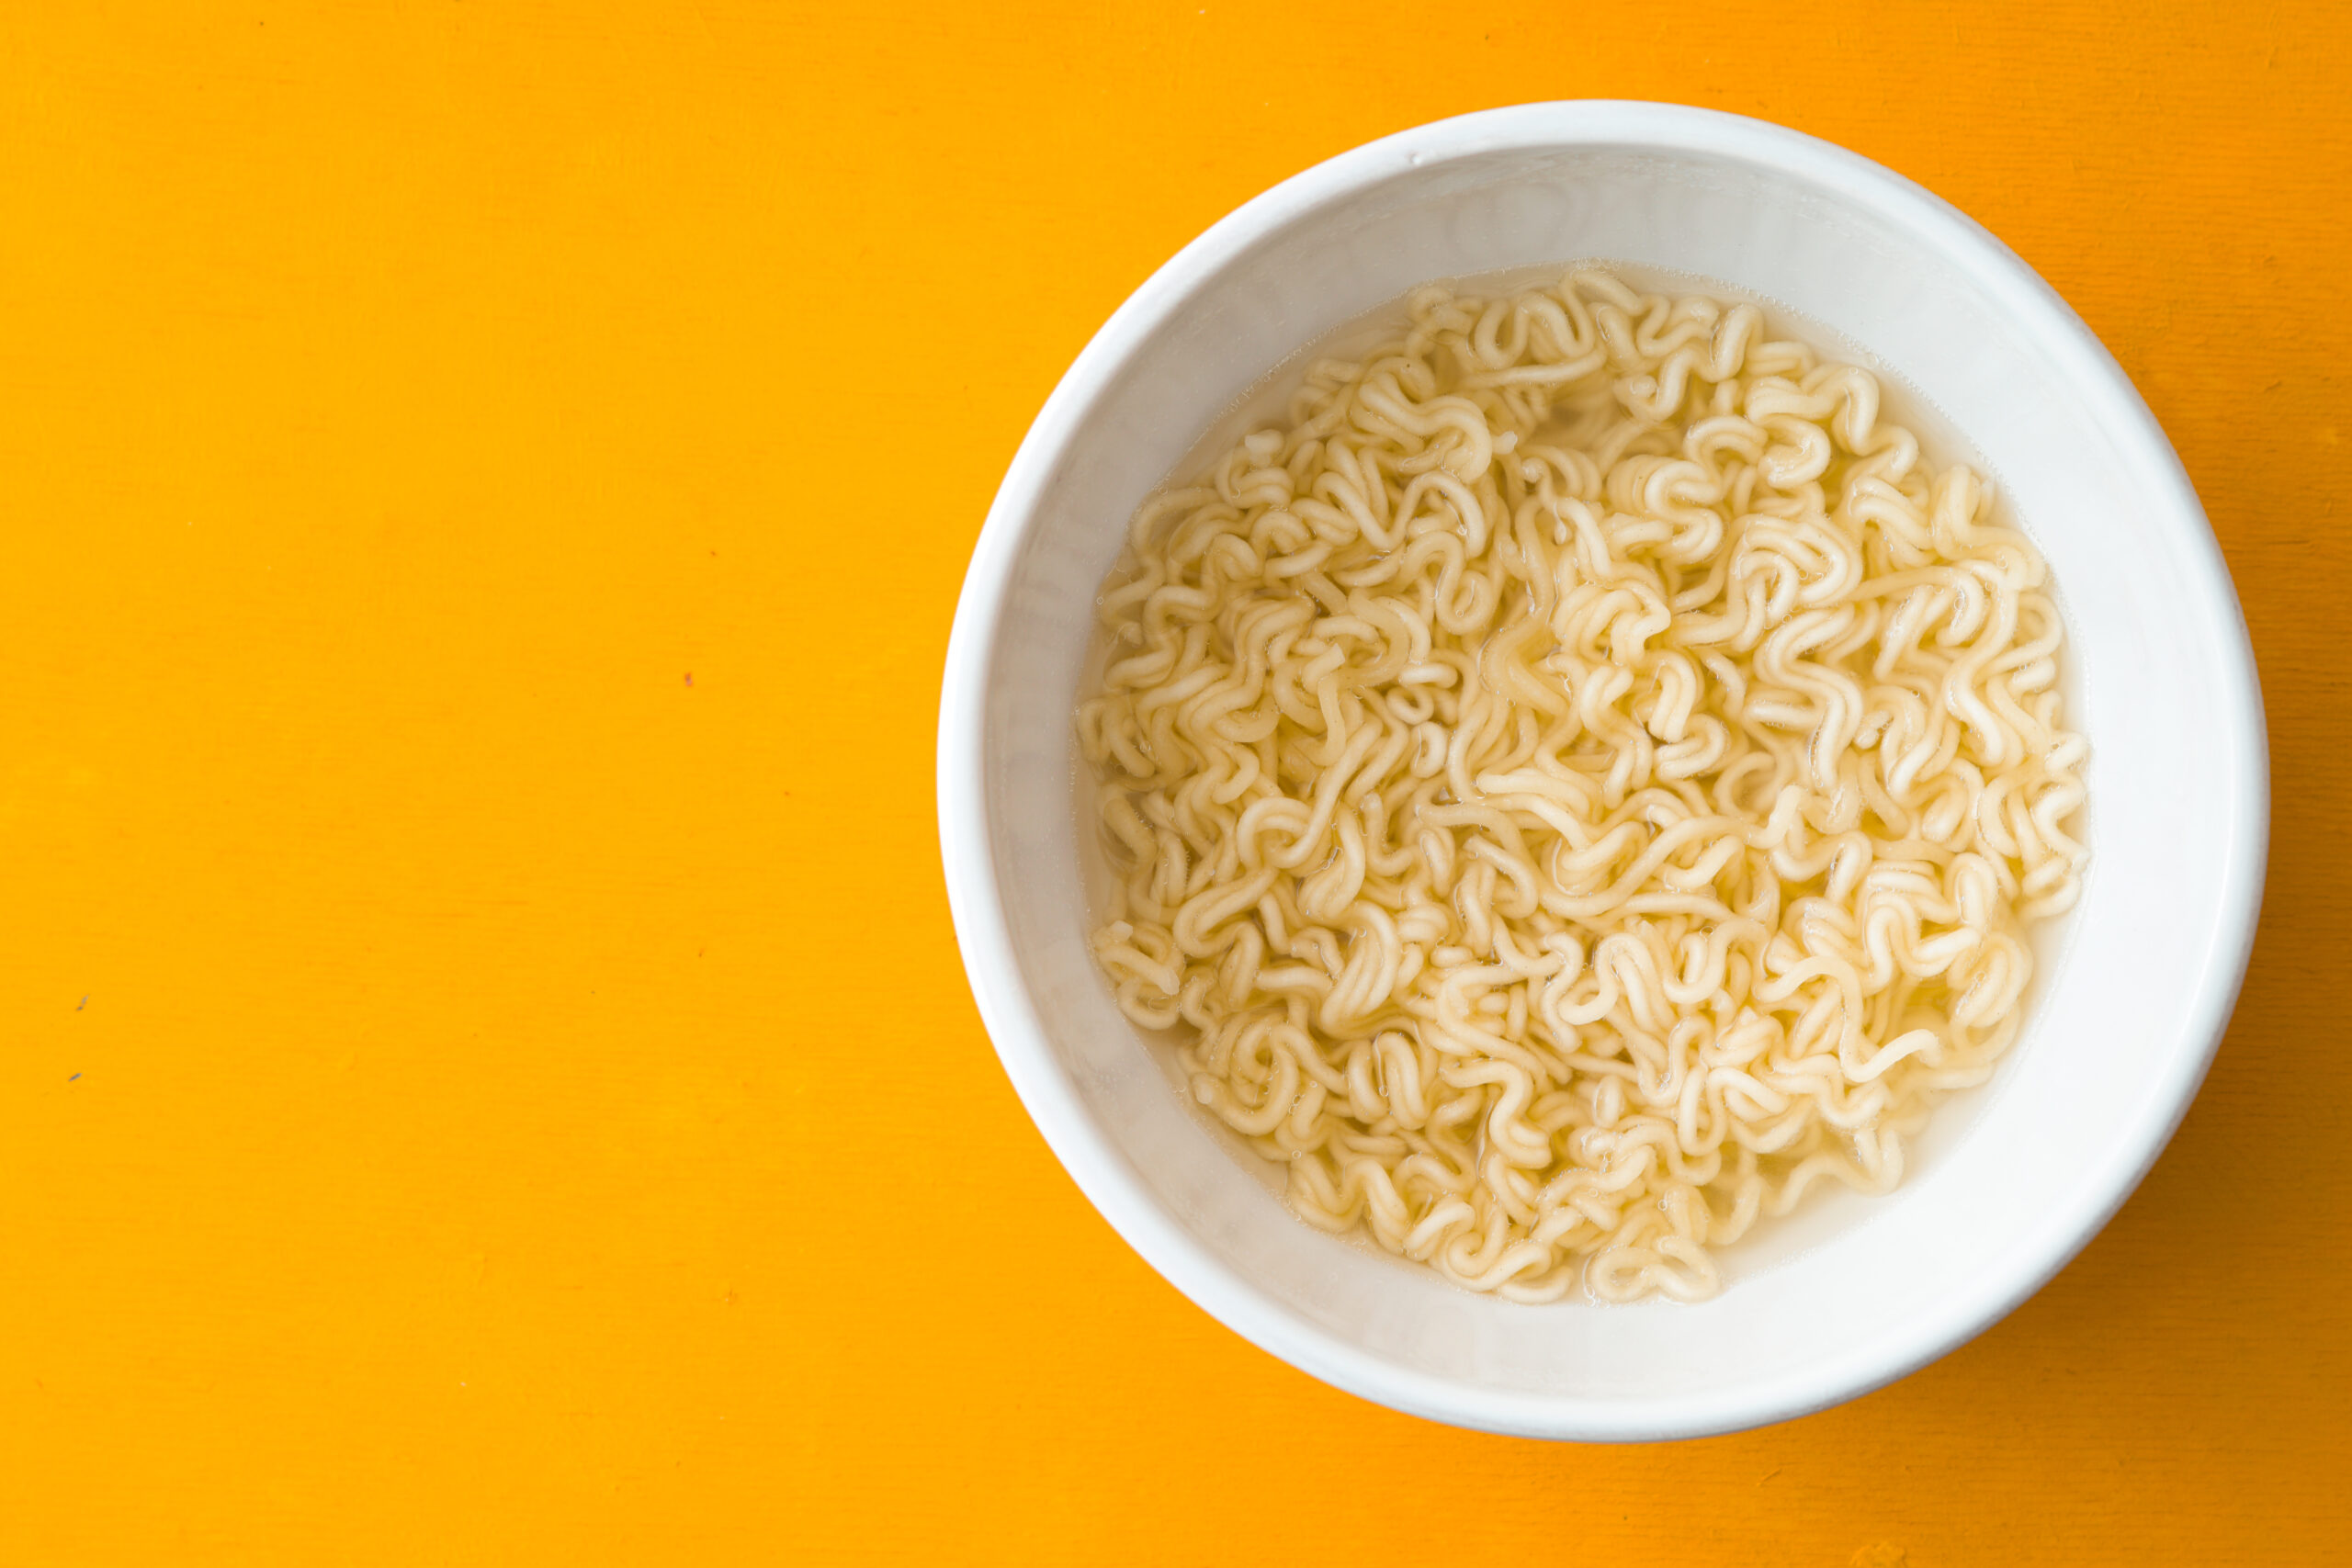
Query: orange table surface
[[487, 1074]]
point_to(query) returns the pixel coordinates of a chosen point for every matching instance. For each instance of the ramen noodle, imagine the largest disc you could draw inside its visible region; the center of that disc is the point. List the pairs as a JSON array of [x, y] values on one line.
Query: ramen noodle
[[1577, 782]]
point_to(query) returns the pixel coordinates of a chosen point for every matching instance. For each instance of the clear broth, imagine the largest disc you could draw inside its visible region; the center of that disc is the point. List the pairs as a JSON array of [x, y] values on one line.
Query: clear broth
[[1828, 1208]]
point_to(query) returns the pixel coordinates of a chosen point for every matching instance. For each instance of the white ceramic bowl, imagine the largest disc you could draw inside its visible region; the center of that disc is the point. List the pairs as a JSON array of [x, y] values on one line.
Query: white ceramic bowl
[[2010, 1182]]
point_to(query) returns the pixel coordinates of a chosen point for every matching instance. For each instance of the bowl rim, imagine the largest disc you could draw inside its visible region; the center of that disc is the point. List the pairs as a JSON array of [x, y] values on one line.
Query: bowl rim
[[1046, 1089]]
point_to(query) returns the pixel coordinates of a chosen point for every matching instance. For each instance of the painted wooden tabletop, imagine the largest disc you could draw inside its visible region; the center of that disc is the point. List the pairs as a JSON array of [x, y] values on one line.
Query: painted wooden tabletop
[[486, 1073]]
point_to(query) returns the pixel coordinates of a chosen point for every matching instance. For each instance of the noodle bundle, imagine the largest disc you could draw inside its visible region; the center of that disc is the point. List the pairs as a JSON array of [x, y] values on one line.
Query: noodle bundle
[[1580, 781]]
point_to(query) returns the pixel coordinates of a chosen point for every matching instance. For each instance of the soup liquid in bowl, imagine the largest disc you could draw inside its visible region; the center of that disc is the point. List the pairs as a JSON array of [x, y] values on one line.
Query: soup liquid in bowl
[[1771, 858]]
